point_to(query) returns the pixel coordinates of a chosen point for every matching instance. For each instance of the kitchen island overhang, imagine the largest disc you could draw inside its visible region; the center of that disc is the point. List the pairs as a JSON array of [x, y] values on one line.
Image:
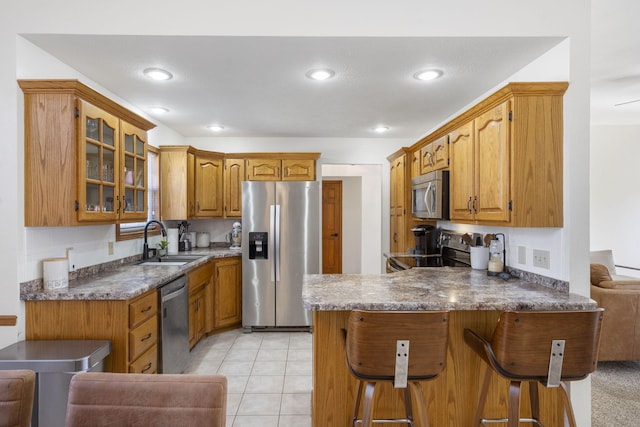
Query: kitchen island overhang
[[475, 302]]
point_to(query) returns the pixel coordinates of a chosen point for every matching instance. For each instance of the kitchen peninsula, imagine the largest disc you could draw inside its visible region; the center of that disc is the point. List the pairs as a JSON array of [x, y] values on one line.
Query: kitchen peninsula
[[475, 301]]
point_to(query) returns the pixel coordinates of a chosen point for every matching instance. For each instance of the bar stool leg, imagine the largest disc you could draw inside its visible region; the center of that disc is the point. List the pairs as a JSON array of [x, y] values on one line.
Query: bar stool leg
[[421, 410], [566, 402], [483, 397], [367, 414], [534, 400], [407, 405], [514, 404], [356, 405]]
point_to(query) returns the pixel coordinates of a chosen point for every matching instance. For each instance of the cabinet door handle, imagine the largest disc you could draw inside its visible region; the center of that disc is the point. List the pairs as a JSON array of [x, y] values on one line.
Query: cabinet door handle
[[475, 199], [335, 235], [144, 310], [146, 368], [146, 337], [119, 204], [469, 204]]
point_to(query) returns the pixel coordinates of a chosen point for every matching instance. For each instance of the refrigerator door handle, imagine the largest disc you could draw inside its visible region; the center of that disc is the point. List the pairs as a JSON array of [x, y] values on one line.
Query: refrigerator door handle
[[276, 236]]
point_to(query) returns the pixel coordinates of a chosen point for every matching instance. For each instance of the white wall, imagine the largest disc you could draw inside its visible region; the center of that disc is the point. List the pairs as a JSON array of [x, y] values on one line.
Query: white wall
[[615, 193]]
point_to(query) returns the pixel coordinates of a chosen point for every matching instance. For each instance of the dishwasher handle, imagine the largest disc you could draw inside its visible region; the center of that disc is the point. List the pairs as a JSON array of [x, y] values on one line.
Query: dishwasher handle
[[174, 293]]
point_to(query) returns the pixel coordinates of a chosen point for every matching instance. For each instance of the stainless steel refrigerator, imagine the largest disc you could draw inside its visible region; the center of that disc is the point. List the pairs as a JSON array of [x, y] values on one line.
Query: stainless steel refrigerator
[[280, 244]]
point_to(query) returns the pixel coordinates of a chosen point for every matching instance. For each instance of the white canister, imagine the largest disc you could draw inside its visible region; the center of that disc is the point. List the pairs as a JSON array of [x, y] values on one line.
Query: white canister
[[202, 240], [192, 237], [479, 257], [55, 273]]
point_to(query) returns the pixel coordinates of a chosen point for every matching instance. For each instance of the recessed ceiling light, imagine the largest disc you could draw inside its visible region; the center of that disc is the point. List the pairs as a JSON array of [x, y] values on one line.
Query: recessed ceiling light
[[381, 129], [159, 110], [157, 74], [426, 75], [215, 128], [320, 74]]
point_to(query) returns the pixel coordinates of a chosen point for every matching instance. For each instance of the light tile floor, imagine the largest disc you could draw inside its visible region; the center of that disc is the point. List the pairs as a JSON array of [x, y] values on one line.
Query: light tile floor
[[269, 376]]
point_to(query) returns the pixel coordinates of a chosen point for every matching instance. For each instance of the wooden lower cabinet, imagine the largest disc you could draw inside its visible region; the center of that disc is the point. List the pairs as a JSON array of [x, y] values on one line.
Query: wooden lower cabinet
[[130, 325], [227, 292], [199, 287]]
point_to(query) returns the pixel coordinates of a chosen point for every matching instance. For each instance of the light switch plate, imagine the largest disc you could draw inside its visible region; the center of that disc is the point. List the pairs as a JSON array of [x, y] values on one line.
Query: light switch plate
[[541, 259]]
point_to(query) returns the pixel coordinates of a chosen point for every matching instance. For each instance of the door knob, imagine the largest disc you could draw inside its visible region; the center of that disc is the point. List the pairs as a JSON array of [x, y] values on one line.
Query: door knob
[[334, 235]]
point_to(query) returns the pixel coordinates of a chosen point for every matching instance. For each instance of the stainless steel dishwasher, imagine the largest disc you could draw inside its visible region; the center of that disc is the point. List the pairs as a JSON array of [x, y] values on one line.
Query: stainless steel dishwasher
[[174, 326]]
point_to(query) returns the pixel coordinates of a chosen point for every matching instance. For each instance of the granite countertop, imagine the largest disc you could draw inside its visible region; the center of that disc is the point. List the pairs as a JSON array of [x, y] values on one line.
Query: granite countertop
[[125, 281], [443, 288]]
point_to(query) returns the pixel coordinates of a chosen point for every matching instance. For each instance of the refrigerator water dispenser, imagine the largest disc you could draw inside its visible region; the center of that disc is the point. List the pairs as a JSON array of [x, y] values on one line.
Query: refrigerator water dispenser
[[258, 247]]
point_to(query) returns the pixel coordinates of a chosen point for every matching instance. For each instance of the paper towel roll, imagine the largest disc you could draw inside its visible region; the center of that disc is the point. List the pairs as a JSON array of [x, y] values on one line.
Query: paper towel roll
[[172, 238], [55, 273]]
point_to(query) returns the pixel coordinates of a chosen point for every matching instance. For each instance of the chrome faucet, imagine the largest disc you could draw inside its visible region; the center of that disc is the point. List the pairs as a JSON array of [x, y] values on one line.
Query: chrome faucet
[[145, 246]]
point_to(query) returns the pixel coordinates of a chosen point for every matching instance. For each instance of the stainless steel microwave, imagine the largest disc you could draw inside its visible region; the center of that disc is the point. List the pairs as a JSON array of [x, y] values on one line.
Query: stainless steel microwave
[[430, 195]]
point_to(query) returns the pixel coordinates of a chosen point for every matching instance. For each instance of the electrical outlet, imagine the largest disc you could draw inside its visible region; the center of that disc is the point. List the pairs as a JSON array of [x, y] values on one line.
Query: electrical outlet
[[541, 259], [110, 248], [522, 255]]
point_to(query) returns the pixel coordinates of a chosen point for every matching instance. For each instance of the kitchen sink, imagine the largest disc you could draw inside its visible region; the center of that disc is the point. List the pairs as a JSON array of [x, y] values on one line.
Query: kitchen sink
[[168, 260]]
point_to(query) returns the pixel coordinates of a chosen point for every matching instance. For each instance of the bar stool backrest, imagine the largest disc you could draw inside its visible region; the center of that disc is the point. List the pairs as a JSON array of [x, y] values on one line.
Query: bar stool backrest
[[372, 336], [522, 342], [17, 388]]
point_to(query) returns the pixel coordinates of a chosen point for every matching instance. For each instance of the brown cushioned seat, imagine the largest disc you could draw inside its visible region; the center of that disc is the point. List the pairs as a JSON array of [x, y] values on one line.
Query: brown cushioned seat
[[108, 399], [17, 389], [620, 297]]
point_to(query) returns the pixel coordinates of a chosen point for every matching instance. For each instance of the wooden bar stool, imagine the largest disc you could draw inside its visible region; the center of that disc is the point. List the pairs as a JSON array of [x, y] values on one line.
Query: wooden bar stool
[[538, 347], [401, 347]]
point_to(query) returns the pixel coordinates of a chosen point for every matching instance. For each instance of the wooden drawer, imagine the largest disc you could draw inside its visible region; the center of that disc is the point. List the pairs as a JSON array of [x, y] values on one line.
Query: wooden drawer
[[200, 277], [147, 363], [143, 337], [143, 308]]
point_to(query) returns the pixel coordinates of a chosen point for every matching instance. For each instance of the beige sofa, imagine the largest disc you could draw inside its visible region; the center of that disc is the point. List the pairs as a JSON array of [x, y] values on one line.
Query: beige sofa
[[620, 297]]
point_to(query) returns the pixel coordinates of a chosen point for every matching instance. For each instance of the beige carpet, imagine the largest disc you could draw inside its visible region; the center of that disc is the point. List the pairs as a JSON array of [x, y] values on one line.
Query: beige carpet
[[615, 395]]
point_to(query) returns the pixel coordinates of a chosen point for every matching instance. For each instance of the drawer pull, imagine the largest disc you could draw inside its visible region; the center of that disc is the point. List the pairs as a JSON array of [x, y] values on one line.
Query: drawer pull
[[146, 337], [144, 310], [146, 368]]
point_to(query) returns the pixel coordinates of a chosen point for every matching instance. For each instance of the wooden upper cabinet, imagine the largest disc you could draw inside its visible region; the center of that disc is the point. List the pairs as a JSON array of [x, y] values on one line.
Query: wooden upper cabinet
[[177, 176], [416, 167], [282, 167], [298, 170], [233, 177], [263, 169], [76, 154], [506, 158], [462, 173], [435, 155], [399, 203], [208, 185]]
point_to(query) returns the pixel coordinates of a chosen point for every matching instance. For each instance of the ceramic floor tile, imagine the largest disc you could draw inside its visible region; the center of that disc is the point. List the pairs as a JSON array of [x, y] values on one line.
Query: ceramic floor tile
[[301, 340], [275, 343], [237, 383], [298, 384], [296, 404], [256, 421], [265, 384], [236, 367], [241, 354], [266, 354], [294, 421], [298, 367], [300, 354], [260, 404], [248, 341], [233, 401], [230, 420], [269, 368]]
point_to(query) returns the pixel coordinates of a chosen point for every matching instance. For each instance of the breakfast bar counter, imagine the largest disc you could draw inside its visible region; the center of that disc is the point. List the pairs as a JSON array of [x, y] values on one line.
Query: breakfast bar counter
[[475, 301]]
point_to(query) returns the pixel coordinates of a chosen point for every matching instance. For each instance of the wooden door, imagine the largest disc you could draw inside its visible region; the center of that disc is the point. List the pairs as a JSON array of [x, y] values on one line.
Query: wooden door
[[461, 189], [208, 187], [332, 227], [492, 164]]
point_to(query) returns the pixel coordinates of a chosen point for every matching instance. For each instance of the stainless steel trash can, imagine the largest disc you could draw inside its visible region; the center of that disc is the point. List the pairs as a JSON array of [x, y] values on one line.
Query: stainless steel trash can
[[54, 362]]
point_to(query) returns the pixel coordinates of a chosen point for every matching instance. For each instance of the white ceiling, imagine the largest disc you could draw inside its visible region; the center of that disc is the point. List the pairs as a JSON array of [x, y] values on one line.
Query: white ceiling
[[615, 62], [256, 86]]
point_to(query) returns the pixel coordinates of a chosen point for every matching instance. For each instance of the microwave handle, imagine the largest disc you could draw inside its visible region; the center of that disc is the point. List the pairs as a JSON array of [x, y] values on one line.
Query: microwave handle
[[430, 199]]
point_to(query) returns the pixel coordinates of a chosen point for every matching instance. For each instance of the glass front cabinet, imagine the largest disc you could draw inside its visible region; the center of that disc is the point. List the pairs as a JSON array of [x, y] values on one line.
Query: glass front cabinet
[[85, 157]]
